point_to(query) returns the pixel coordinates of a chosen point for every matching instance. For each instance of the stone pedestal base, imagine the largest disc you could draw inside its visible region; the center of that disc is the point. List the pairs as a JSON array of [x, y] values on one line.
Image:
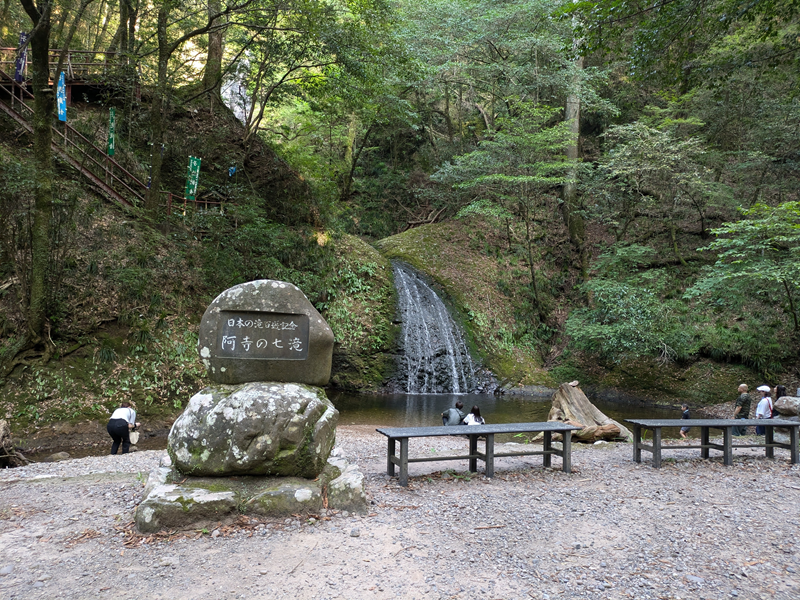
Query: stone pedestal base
[[175, 501]]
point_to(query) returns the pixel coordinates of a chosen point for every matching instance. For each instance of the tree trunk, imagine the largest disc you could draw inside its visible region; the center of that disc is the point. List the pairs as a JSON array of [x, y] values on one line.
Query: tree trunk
[[157, 114], [120, 41], [674, 238], [792, 309], [570, 208], [216, 39], [44, 104]]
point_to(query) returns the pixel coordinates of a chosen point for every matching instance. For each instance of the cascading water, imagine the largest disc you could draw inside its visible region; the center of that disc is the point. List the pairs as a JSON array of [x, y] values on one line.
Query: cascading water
[[435, 359]]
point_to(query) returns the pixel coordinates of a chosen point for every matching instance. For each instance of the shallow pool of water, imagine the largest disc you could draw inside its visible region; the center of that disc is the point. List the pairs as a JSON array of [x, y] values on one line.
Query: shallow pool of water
[[419, 410]]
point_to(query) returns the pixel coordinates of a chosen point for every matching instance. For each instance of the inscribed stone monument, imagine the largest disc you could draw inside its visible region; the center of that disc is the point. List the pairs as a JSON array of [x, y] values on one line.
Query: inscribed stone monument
[[265, 330]]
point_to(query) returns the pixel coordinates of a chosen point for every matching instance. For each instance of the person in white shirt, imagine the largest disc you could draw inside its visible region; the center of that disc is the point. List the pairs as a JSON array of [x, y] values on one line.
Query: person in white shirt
[[474, 417], [119, 427], [764, 408]]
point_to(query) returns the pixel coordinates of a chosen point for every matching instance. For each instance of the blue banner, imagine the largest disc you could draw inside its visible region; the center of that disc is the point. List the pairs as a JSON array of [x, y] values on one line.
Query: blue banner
[[61, 98], [22, 58], [112, 132]]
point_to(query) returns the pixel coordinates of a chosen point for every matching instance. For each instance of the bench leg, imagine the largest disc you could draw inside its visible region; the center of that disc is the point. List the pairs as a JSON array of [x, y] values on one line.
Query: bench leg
[[490, 455], [727, 446], [547, 448], [637, 438], [566, 455], [657, 447], [793, 444], [404, 462], [704, 441], [473, 449], [389, 457], [769, 439]]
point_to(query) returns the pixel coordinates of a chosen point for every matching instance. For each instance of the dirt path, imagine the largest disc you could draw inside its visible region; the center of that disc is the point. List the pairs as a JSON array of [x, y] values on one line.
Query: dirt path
[[612, 529]]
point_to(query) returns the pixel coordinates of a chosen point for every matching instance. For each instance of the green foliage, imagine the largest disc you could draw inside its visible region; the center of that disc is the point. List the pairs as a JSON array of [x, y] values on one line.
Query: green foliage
[[763, 248], [625, 322]]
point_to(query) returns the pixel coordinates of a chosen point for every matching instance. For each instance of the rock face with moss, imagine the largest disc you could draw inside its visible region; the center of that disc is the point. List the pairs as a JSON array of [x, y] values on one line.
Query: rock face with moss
[[174, 501], [265, 330], [279, 429]]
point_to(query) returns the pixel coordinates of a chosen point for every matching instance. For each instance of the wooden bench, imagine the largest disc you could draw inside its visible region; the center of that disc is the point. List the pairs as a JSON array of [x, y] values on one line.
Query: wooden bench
[[705, 425], [473, 432]]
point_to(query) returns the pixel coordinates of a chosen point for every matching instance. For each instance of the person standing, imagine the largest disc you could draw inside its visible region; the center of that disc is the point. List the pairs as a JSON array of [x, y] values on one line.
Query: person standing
[[474, 417], [742, 410], [764, 408], [685, 415], [119, 427], [453, 416], [780, 392]]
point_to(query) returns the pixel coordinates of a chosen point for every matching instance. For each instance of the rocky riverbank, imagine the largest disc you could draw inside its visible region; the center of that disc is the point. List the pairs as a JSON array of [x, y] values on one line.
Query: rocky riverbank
[[611, 529]]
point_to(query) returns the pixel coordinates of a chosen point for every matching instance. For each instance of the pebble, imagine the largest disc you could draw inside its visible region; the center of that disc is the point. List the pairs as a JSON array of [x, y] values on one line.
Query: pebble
[[640, 529]]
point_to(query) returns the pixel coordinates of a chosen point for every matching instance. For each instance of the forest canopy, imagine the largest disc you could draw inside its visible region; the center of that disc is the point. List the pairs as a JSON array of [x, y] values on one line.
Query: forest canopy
[[638, 161]]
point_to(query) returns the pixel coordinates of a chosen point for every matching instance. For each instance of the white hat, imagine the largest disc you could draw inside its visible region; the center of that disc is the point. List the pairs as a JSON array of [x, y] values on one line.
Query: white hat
[[763, 388]]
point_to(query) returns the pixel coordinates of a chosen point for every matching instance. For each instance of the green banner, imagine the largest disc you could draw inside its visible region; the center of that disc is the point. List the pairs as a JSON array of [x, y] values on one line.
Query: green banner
[[112, 132], [192, 177]]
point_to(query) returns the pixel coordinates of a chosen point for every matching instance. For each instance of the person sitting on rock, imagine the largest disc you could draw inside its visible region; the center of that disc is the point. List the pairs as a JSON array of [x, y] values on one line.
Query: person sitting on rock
[[474, 417], [453, 416]]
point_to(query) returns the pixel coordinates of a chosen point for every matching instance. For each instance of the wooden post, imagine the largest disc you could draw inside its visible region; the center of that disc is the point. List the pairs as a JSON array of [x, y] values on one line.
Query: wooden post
[[473, 450], [404, 462], [489, 455], [637, 437], [389, 457], [704, 442], [547, 449], [769, 439], [657, 447], [566, 457], [727, 446]]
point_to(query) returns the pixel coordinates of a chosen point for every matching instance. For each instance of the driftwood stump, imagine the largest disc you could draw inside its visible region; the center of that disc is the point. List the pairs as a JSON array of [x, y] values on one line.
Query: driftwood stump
[[9, 457], [570, 405]]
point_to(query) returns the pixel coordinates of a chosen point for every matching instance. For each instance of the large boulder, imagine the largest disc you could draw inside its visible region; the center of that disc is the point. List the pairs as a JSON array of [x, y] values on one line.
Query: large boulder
[[570, 405], [788, 405], [173, 500], [265, 330], [254, 429]]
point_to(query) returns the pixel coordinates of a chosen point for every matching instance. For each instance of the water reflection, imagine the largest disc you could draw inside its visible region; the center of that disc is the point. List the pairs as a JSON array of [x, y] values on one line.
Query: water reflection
[[420, 410]]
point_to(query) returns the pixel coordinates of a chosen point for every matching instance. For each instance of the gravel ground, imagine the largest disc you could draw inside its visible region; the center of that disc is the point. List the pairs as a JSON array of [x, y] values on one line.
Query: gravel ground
[[611, 529]]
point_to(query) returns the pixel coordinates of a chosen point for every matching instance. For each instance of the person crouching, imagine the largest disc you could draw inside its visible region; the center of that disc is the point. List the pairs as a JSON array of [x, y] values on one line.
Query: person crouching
[[119, 427]]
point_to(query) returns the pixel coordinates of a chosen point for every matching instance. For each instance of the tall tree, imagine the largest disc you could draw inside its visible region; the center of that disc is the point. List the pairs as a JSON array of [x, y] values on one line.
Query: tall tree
[[166, 47], [44, 103], [212, 76], [512, 173]]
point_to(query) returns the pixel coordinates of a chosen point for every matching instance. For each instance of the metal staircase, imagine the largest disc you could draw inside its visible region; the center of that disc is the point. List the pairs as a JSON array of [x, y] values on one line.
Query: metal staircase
[[110, 177]]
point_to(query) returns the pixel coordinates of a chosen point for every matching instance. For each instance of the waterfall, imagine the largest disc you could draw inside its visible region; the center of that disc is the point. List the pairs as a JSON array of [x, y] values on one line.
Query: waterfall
[[434, 358]]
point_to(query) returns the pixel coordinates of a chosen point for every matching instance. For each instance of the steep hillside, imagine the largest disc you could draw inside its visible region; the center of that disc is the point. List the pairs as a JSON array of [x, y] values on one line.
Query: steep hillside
[[126, 298]]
